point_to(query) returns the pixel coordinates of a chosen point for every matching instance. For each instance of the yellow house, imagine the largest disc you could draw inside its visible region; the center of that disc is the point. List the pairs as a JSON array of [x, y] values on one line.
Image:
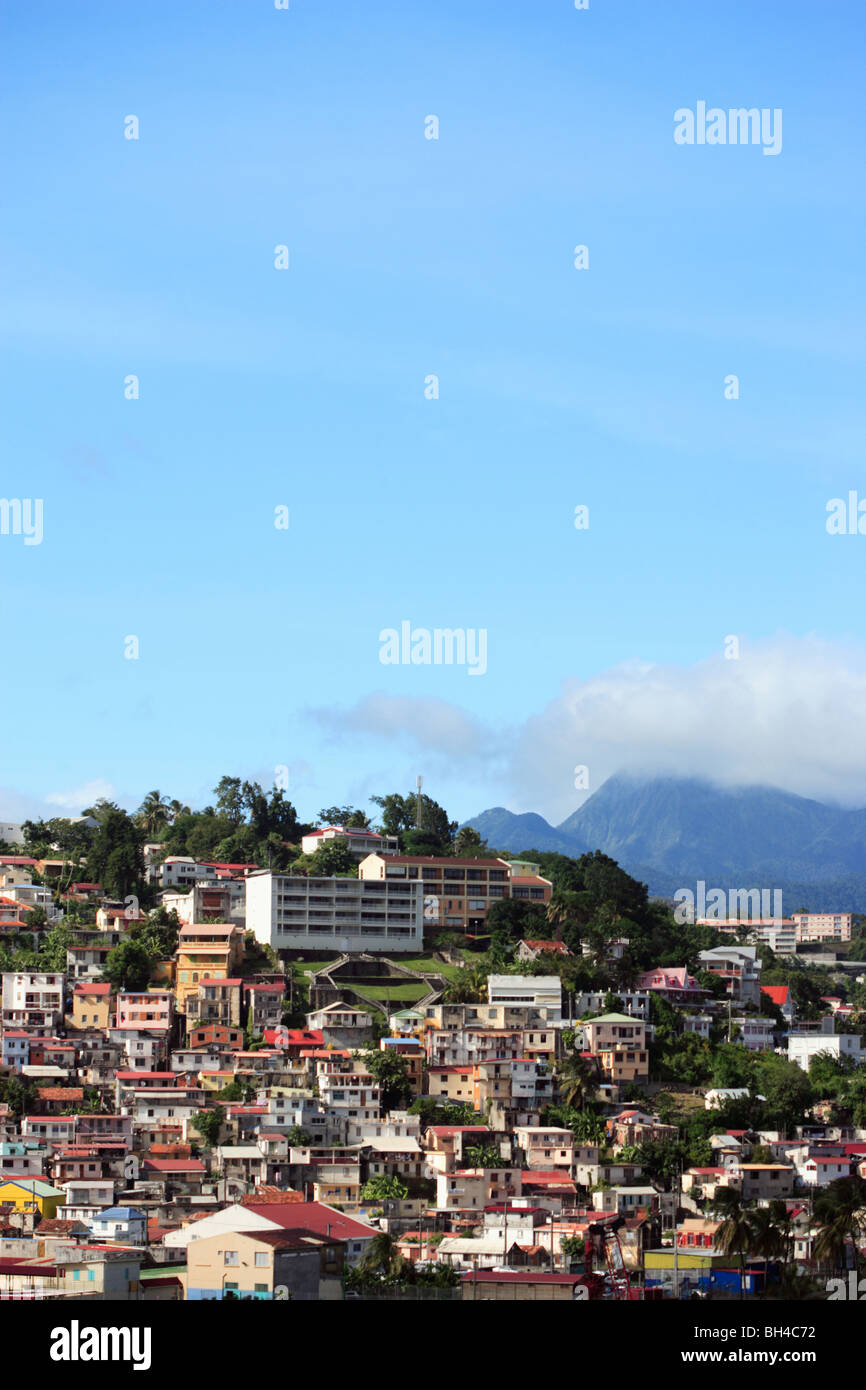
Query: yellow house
[[264, 1264], [91, 1006], [31, 1194], [210, 951]]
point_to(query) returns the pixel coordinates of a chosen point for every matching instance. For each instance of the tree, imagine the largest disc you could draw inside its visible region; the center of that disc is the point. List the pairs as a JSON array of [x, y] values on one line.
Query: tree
[[400, 814], [483, 1156], [230, 799], [840, 1211], [576, 1080], [469, 845], [333, 858], [115, 860], [382, 1262], [468, 985], [298, 1138], [209, 1124], [154, 813], [572, 1247], [390, 1072], [517, 920], [383, 1187], [735, 1235], [129, 965], [55, 943]]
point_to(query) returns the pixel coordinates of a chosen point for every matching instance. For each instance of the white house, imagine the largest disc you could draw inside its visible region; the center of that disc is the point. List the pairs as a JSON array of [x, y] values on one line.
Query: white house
[[802, 1047]]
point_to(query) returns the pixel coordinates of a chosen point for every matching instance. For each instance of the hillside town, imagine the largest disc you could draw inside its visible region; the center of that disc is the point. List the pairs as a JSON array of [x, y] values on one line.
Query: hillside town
[[246, 1058]]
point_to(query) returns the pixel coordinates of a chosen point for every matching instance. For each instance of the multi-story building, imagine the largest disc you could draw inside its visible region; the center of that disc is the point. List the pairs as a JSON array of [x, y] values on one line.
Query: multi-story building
[[755, 1032], [358, 842], [149, 1009], [33, 999], [530, 991], [619, 1042], [212, 950], [456, 892], [740, 969], [823, 926], [217, 1001], [291, 912]]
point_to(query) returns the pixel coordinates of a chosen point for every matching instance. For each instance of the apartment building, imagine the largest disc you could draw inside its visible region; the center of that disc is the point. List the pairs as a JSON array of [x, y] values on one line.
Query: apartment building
[[149, 1009], [619, 1042], [823, 926], [291, 912], [33, 999], [456, 892]]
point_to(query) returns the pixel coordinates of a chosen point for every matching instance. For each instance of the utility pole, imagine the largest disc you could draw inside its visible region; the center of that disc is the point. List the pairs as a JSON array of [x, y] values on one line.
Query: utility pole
[[419, 782]]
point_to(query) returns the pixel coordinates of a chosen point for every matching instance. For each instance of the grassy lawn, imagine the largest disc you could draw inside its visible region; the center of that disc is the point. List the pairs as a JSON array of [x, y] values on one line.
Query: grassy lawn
[[404, 993], [300, 967], [428, 963]]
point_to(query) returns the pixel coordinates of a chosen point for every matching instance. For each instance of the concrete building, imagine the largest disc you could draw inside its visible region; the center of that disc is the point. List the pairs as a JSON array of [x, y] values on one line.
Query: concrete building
[[531, 991], [335, 914], [456, 892], [358, 842], [802, 1047], [823, 926], [740, 969]]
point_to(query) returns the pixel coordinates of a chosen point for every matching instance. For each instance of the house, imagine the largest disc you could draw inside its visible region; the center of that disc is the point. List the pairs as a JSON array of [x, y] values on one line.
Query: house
[[341, 1025], [532, 949], [765, 1181], [31, 1194], [255, 1214], [265, 1004], [720, 1096], [817, 1171], [91, 1005], [120, 1226], [33, 999], [755, 1032], [287, 1263], [359, 842], [740, 969], [619, 1042], [673, 983]]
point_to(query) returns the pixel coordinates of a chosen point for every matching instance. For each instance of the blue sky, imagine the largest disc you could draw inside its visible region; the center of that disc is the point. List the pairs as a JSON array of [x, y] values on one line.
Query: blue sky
[[259, 648]]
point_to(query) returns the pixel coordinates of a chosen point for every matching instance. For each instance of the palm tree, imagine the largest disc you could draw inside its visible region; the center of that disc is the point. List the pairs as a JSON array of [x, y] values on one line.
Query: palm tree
[[468, 986], [153, 812], [840, 1211], [767, 1238], [382, 1259], [735, 1235], [575, 1077], [177, 808]]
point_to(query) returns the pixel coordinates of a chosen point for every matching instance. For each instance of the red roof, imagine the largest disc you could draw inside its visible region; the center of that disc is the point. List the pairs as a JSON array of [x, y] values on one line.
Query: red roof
[[88, 989], [778, 994], [547, 946], [312, 1216], [216, 981]]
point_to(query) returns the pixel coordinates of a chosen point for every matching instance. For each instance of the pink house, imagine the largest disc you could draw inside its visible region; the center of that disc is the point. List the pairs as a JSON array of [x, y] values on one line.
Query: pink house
[[673, 983], [150, 1009]]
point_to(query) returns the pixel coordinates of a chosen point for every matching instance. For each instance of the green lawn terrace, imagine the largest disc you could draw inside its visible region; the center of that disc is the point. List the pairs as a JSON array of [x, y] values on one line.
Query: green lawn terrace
[[374, 980]]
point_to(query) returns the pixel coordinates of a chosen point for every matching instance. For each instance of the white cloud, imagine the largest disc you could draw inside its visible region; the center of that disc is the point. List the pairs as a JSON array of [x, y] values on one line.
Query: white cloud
[[77, 798], [790, 713]]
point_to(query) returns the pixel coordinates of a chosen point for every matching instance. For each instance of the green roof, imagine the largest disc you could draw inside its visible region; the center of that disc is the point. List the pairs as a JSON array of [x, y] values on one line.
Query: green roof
[[34, 1185]]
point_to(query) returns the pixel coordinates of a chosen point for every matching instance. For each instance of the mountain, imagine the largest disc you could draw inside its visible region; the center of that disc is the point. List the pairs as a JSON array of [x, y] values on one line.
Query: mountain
[[508, 831], [670, 832]]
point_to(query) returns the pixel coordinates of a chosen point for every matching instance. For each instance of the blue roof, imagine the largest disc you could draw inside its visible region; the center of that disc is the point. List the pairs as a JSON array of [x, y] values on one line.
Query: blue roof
[[123, 1212]]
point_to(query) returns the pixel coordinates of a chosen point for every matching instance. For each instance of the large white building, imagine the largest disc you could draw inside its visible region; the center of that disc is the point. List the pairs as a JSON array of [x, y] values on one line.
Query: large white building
[[334, 914], [802, 1047], [359, 842], [537, 991]]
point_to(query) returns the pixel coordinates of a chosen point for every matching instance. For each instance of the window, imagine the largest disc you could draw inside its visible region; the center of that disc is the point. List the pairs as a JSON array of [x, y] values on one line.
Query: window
[[261, 1260], [260, 1288], [231, 1257]]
